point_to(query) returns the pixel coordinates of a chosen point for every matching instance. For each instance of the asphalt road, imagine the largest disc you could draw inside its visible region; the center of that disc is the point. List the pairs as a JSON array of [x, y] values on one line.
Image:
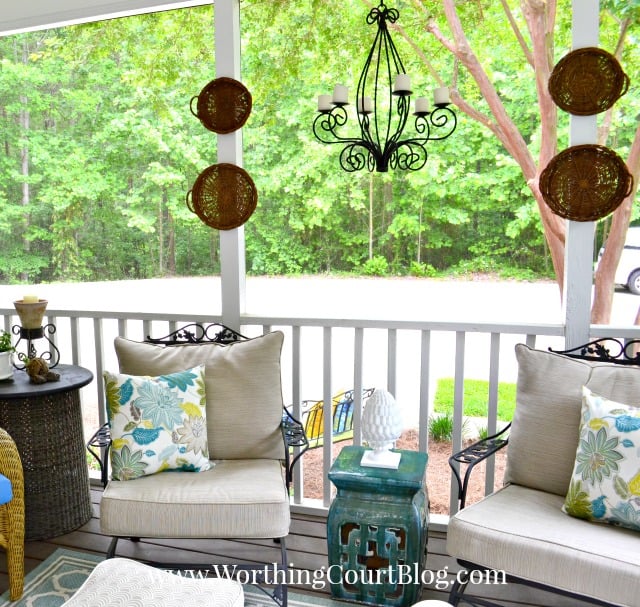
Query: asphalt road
[[385, 298]]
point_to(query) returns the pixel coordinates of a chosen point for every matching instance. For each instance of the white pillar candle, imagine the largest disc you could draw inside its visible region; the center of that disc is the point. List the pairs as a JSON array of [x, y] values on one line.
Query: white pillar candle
[[340, 94], [402, 83], [324, 103], [30, 299], [365, 105], [441, 95], [422, 105]]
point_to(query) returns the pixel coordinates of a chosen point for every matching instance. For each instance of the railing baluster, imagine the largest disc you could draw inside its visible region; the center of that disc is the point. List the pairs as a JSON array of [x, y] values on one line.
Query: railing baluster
[[75, 340], [492, 408], [358, 363], [327, 421], [99, 350], [425, 351], [53, 337], [298, 471], [392, 362], [458, 408]]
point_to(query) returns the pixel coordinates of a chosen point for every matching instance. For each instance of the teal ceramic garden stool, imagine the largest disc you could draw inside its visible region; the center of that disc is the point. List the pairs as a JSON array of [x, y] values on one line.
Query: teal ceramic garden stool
[[377, 529]]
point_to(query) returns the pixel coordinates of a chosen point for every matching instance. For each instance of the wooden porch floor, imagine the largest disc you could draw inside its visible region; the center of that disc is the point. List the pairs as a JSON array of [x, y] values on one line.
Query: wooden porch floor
[[306, 548]]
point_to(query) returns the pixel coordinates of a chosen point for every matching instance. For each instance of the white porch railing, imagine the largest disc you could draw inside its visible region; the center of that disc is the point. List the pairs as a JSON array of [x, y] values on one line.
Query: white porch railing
[[324, 356]]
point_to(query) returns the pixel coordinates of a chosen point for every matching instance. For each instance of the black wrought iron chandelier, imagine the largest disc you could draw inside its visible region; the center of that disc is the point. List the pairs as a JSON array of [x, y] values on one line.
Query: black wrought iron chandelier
[[383, 84]]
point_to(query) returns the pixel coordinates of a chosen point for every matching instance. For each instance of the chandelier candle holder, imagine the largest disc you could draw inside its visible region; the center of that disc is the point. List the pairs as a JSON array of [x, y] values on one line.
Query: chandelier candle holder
[[383, 86], [381, 428], [31, 311]]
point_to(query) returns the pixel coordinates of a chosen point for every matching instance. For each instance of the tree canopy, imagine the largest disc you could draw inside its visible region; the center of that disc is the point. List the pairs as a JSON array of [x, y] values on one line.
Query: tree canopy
[[100, 147]]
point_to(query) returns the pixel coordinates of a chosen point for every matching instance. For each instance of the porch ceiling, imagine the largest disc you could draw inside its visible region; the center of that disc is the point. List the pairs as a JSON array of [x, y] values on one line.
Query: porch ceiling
[[18, 17]]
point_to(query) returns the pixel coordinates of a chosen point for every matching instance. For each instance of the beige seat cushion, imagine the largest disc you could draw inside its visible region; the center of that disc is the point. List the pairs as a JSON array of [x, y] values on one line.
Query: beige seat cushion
[[120, 582], [234, 499], [525, 533], [544, 434], [243, 389]]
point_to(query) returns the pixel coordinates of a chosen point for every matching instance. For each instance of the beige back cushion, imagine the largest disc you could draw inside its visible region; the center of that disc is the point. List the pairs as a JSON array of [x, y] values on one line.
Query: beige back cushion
[[243, 389], [544, 434]]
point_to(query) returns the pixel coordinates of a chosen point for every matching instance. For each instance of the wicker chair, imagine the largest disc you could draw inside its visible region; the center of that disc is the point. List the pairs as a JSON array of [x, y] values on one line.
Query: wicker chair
[[12, 515]]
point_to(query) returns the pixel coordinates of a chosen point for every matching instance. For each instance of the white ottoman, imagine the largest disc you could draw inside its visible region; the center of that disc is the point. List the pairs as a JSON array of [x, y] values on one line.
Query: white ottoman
[[120, 582]]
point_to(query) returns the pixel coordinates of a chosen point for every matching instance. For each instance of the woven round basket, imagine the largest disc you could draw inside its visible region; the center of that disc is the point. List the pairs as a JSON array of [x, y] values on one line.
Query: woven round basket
[[585, 182], [587, 81], [223, 105], [223, 196]]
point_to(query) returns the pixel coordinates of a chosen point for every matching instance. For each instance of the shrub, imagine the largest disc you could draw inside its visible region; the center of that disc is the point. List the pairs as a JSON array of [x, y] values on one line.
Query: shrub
[[422, 270], [440, 427], [376, 266]]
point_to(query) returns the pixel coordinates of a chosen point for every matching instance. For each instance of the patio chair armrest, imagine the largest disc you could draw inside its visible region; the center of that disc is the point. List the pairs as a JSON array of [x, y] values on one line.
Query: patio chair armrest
[[294, 437], [474, 454], [98, 445]]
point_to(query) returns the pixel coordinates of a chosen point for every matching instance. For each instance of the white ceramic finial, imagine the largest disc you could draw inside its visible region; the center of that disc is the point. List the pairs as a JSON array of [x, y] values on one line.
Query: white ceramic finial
[[381, 427]]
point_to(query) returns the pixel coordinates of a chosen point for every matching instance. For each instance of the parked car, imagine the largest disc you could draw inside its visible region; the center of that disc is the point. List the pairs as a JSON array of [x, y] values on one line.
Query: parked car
[[628, 270]]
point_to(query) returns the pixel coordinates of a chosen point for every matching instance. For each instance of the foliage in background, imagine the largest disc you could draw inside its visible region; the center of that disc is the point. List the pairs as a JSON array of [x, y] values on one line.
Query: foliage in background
[[476, 398], [99, 150]]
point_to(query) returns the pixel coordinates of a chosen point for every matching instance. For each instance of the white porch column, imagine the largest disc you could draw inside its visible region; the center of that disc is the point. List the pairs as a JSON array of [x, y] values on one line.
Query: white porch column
[[232, 258], [578, 270]]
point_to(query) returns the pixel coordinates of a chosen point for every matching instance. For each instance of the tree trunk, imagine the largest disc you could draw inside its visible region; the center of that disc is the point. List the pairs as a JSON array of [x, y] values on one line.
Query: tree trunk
[[171, 239], [604, 277], [25, 123], [370, 215]]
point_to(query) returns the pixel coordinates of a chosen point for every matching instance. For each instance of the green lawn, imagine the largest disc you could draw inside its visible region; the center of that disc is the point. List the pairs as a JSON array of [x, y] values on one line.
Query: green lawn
[[476, 397]]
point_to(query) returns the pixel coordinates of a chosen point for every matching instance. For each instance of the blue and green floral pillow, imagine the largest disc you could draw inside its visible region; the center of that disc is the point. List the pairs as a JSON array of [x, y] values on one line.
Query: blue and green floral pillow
[[605, 486], [157, 423]]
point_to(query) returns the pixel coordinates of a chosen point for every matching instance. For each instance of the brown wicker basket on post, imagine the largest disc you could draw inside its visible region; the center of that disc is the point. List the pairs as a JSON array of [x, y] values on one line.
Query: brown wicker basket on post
[[587, 81], [223, 196], [585, 182], [223, 105]]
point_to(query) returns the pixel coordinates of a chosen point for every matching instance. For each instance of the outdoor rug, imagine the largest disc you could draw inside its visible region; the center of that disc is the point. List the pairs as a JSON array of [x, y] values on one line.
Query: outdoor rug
[[55, 580]]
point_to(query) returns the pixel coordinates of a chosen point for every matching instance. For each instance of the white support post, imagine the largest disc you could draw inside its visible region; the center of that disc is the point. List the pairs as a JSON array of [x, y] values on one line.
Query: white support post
[[232, 248], [578, 269]]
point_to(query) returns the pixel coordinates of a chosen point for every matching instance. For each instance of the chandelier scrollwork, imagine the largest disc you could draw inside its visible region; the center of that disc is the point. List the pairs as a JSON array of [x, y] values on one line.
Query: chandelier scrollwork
[[383, 86]]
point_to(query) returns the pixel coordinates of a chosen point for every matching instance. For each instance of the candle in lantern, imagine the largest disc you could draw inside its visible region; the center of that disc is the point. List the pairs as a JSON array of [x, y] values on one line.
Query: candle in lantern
[[441, 95], [365, 105], [324, 103], [422, 105], [31, 310], [402, 84], [340, 94]]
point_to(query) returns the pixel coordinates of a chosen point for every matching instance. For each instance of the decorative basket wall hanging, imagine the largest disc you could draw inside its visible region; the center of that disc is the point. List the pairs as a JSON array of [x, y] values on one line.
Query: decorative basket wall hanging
[[585, 182], [223, 105], [587, 81], [223, 196]]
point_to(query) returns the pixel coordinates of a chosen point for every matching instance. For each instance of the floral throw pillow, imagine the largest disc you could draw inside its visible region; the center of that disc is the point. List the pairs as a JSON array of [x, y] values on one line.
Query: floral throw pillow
[[157, 423], [605, 486]]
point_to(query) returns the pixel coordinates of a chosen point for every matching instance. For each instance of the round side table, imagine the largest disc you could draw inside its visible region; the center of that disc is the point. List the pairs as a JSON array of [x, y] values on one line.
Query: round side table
[[45, 421]]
